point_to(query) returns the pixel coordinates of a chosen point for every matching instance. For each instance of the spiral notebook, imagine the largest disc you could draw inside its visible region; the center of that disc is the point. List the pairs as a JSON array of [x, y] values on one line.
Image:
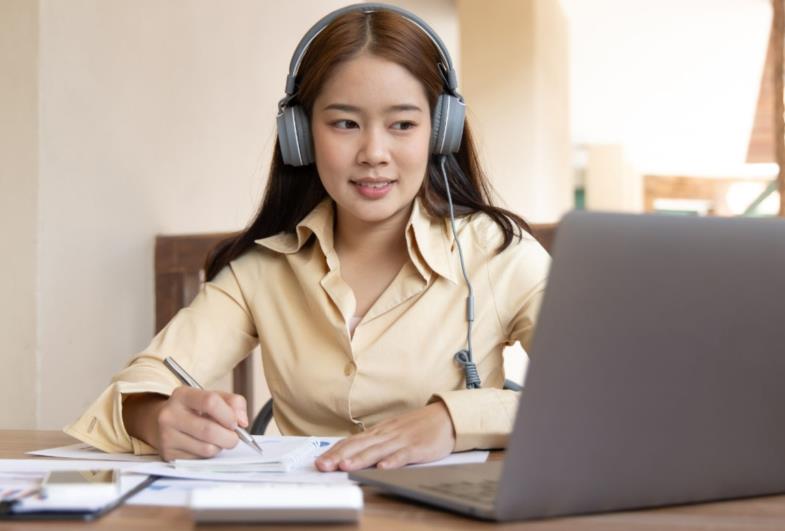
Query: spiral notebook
[[280, 455]]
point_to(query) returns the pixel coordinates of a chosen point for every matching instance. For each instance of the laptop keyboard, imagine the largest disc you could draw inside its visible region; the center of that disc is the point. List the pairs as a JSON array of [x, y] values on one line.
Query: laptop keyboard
[[480, 491]]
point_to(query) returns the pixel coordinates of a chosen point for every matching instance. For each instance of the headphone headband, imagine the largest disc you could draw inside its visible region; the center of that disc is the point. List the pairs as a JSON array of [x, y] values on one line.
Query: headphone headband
[[450, 77]]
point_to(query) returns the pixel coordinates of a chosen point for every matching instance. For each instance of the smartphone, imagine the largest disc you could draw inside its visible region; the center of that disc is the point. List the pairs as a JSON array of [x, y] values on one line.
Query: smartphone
[[91, 484]]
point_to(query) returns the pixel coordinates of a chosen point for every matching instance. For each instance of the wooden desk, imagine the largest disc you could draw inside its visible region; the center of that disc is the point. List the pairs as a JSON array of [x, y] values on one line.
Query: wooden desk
[[388, 514]]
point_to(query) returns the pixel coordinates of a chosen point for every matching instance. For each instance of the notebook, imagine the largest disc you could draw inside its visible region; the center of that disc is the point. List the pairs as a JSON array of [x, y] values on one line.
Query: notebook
[[280, 455]]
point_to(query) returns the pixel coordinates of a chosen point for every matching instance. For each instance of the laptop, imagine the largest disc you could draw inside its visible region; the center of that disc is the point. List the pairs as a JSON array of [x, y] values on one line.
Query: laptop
[[657, 376]]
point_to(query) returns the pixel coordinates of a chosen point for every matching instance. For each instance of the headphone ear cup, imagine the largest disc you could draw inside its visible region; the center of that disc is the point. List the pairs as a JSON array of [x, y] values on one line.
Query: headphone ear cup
[[294, 136], [447, 125]]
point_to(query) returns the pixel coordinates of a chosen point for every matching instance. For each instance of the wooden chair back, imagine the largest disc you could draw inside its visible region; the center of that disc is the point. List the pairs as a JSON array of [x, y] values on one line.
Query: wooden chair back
[[179, 271]]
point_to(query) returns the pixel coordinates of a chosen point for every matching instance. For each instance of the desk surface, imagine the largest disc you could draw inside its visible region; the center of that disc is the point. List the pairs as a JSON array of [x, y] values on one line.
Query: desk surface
[[388, 514]]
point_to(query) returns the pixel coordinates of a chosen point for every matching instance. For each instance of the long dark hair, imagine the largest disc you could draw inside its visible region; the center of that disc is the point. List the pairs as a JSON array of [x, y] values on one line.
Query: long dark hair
[[292, 192]]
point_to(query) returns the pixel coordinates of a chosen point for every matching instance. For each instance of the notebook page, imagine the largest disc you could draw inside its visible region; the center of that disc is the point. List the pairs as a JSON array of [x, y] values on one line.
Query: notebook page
[[279, 454]]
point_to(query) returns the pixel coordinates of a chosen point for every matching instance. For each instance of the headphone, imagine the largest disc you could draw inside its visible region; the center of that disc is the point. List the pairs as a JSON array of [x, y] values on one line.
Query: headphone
[[294, 130], [296, 144]]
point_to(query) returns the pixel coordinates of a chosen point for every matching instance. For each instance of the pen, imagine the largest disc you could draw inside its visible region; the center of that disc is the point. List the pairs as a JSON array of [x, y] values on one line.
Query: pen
[[190, 382]]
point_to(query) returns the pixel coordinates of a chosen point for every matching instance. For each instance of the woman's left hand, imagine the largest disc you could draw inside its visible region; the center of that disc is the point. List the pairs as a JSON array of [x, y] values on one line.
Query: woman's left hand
[[422, 435]]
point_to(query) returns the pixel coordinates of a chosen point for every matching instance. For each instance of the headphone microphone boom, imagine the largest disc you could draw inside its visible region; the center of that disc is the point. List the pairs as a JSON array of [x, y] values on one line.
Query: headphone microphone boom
[[447, 120]]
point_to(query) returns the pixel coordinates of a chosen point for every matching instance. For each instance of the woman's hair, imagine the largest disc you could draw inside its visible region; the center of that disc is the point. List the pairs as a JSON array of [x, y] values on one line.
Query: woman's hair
[[292, 192]]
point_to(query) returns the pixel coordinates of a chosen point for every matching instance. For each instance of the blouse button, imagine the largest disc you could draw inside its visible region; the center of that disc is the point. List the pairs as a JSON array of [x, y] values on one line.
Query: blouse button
[[349, 368]]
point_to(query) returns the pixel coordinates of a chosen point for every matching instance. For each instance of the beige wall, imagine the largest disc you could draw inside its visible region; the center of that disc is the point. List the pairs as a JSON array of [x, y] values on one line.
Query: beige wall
[[514, 75], [441, 15], [18, 210], [611, 182]]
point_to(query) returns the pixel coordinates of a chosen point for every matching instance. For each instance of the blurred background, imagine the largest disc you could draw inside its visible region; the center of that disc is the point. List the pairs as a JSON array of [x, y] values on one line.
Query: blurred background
[[123, 120]]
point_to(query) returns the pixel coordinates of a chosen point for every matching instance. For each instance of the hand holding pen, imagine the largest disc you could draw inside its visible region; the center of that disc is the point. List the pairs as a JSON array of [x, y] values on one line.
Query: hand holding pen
[[199, 423]]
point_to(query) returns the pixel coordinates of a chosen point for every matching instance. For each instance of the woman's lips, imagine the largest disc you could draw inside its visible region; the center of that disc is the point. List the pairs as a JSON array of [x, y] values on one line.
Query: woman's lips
[[373, 188]]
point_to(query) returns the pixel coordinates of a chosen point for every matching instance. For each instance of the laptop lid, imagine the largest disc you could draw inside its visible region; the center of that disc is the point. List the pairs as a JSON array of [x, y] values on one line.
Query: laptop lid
[[658, 368]]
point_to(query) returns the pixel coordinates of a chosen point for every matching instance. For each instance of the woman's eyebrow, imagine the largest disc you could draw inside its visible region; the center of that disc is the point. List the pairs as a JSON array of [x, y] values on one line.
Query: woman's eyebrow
[[392, 108], [403, 107]]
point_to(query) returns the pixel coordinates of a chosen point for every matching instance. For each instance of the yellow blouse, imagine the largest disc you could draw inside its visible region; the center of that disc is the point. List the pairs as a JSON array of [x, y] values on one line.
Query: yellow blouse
[[287, 295]]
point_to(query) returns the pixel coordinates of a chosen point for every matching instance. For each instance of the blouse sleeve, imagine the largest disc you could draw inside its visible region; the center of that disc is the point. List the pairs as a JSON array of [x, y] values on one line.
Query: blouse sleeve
[[208, 338]]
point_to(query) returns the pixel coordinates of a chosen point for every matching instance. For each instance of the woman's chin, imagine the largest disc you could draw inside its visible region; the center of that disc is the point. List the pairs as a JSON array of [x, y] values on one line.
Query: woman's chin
[[376, 212]]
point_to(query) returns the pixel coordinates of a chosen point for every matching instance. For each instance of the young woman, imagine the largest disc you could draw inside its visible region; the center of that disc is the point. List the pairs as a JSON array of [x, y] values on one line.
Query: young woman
[[350, 277]]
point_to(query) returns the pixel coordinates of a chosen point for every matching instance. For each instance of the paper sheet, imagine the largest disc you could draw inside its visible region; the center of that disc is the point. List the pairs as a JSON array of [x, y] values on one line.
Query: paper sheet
[[300, 475], [22, 466], [168, 492], [85, 451], [174, 492], [84, 457], [475, 456], [304, 473], [280, 454]]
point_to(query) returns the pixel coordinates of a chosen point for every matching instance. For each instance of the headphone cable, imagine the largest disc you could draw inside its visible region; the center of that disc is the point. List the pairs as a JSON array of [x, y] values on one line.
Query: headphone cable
[[463, 357]]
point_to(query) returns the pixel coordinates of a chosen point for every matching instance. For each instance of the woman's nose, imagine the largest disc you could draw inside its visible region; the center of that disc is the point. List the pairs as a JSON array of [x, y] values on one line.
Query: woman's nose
[[374, 149]]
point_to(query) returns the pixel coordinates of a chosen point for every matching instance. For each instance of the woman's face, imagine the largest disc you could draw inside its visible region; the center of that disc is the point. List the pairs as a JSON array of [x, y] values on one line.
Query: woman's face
[[371, 127]]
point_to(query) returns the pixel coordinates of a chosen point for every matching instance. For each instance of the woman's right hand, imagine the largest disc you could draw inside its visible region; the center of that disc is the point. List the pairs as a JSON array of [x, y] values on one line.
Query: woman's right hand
[[192, 423]]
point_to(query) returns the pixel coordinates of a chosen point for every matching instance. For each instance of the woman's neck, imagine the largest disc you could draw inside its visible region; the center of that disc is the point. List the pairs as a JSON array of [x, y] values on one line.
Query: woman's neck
[[381, 240]]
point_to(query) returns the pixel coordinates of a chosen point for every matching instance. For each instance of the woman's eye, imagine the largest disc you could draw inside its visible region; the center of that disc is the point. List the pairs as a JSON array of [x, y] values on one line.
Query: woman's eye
[[345, 124], [403, 126]]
